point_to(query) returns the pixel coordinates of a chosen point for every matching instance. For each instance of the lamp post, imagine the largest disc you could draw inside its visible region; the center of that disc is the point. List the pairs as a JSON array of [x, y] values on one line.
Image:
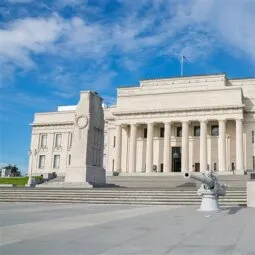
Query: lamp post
[[30, 182]]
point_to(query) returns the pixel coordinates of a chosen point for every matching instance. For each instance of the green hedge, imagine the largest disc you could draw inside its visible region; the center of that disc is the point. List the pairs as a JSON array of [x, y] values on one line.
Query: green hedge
[[19, 181]]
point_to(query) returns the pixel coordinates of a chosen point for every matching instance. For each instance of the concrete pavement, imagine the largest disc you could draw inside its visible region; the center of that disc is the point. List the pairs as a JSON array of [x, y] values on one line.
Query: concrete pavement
[[117, 229]]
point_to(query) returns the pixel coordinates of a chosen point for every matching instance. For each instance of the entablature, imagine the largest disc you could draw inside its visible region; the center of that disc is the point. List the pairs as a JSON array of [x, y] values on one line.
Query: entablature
[[181, 115]]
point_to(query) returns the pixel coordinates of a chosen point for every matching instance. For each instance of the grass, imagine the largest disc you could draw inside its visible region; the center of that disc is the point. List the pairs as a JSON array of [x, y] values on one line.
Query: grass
[[18, 181]]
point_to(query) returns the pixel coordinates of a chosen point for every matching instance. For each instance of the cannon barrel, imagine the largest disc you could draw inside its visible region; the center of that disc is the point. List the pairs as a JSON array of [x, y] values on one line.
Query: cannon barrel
[[203, 178]]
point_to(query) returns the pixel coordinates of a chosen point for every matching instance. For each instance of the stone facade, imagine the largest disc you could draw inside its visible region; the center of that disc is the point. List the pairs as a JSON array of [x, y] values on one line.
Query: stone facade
[[164, 126], [70, 142]]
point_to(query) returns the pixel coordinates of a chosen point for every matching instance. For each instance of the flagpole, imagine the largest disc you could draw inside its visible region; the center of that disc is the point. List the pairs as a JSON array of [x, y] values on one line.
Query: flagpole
[[182, 66]]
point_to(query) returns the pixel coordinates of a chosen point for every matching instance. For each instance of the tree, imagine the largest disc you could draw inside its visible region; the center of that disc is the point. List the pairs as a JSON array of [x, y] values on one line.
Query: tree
[[13, 170]]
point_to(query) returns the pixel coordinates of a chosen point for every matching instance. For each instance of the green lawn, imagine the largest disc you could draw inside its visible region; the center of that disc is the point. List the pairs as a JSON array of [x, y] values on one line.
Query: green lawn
[[19, 181]]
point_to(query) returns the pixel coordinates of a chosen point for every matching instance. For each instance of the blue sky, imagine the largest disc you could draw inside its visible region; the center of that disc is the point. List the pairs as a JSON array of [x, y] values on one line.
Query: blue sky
[[50, 50]]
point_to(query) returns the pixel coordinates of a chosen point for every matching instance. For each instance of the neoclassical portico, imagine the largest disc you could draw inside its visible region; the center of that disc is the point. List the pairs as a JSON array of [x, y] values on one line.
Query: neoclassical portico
[[179, 124], [184, 140]]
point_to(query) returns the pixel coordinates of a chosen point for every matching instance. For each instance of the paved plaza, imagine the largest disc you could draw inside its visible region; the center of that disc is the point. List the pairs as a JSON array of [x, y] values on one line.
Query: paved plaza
[[54, 229]]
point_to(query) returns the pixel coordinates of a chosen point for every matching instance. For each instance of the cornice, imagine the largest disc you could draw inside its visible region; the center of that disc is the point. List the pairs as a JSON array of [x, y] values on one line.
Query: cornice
[[67, 112], [172, 90], [43, 124], [196, 109]]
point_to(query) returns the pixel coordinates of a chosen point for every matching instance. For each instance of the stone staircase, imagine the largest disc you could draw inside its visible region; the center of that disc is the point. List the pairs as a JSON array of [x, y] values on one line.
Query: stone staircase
[[138, 190], [161, 181]]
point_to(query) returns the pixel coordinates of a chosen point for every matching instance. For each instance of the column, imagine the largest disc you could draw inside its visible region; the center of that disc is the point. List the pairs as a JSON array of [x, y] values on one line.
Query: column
[[118, 148], [222, 146], [191, 153], [203, 145], [167, 147], [132, 151], [239, 146], [149, 148], [185, 146], [209, 152]]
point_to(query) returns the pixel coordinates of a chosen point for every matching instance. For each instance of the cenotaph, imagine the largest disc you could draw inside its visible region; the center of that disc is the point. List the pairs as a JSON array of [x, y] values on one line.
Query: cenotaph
[[86, 168]]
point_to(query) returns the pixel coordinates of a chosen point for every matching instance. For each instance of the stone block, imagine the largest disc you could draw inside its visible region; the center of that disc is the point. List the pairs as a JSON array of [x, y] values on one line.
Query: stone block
[[251, 194]]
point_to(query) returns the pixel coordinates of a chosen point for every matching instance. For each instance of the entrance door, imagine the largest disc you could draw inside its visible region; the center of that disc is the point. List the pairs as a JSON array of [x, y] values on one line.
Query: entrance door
[[176, 159], [197, 167]]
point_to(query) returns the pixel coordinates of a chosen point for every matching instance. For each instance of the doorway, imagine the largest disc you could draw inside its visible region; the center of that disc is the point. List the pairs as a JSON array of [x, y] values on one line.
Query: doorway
[[176, 159], [197, 167]]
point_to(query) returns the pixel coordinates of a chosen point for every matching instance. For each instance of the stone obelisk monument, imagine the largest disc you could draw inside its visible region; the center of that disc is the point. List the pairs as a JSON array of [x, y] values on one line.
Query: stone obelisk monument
[[86, 168]]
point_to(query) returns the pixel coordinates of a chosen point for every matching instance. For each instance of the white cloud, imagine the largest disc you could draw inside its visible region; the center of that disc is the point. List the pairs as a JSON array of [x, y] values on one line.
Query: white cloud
[[22, 38], [139, 31]]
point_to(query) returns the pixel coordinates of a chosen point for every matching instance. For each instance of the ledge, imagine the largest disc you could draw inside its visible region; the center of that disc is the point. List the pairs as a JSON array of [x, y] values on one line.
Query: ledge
[[227, 107], [52, 123]]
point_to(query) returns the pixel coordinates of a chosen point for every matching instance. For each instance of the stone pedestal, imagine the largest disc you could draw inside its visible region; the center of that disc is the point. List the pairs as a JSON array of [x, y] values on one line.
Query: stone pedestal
[[209, 203], [86, 168], [251, 194]]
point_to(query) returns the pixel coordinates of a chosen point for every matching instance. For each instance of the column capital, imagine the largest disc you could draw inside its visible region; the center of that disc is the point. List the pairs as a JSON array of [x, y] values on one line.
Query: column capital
[[222, 120], [206, 121]]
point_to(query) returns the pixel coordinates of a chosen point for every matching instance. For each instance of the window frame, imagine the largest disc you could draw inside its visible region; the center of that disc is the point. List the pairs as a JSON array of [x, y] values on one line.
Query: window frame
[[40, 165], [41, 140], [212, 127], [161, 132], [114, 141], [70, 139], [58, 145], [194, 131], [179, 131], [54, 161], [145, 133]]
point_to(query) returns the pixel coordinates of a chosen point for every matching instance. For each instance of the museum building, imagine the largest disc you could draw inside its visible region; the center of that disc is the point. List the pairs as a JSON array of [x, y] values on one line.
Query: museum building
[[163, 126]]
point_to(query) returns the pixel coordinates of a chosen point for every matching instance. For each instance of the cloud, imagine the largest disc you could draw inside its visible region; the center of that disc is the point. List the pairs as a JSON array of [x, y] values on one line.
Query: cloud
[[134, 34], [22, 38]]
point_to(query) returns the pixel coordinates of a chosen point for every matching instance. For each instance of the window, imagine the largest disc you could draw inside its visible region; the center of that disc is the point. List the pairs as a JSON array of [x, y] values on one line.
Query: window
[[69, 159], [161, 167], [113, 165], [179, 131], [252, 136], [43, 140], [196, 131], [58, 138], [56, 161], [145, 133], [41, 161], [114, 141], [253, 160], [215, 130], [162, 132], [215, 166], [232, 166], [70, 141]]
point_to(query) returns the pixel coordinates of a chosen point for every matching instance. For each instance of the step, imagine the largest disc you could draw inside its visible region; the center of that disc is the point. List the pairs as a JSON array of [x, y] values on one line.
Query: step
[[227, 204]]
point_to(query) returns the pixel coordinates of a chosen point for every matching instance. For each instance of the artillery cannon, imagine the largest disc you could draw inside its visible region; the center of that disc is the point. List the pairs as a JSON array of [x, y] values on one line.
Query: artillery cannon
[[210, 190]]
